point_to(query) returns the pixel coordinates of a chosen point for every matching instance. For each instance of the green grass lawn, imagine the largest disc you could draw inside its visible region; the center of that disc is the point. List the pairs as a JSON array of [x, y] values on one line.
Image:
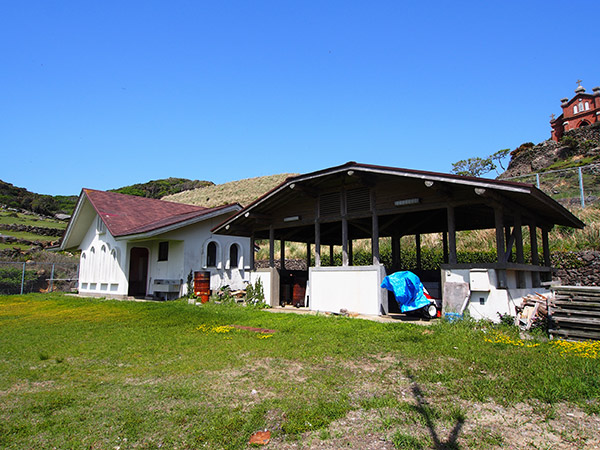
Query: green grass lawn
[[29, 236], [26, 219], [103, 374]]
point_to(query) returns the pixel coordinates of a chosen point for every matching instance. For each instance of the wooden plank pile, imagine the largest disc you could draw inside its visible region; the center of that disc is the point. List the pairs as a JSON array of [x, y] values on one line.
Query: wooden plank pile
[[534, 306], [576, 312]]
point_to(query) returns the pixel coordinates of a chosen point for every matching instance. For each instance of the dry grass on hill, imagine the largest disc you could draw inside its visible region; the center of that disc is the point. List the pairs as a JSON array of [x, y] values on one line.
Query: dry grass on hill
[[241, 191]]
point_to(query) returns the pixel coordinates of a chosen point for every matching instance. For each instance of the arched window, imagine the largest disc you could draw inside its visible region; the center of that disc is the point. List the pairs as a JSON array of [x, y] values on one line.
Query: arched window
[[83, 267], [234, 260], [211, 254], [587, 106], [575, 109]]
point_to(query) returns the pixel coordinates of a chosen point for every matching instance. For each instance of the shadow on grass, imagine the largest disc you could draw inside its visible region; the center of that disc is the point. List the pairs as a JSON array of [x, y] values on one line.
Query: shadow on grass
[[427, 412]]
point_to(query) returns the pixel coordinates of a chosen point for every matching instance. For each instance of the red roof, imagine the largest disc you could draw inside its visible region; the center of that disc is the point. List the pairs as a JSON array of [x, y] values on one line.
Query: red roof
[[129, 214]]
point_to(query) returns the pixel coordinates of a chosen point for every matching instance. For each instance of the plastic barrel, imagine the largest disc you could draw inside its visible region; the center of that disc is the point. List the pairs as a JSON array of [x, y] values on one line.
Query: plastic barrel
[[202, 285]]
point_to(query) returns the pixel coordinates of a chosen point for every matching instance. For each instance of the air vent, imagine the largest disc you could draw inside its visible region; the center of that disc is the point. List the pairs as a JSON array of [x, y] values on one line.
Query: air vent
[[329, 204], [358, 200]]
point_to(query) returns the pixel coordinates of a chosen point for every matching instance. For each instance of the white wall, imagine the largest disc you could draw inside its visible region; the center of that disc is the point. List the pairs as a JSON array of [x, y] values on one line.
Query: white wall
[[191, 256], [487, 304], [102, 271], [107, 276], [354, 288]]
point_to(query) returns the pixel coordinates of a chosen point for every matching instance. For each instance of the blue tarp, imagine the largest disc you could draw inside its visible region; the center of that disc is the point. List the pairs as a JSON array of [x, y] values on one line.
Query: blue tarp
[[407, 289]]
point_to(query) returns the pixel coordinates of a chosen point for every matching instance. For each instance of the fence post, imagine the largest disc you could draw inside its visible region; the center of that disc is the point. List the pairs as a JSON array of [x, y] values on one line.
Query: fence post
[[51, 278], [23, 278], [581, 192]]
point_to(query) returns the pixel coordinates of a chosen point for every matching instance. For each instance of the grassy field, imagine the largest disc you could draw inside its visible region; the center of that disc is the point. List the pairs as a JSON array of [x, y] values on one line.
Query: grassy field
[[98, 374], [243, 192], [8, 217]]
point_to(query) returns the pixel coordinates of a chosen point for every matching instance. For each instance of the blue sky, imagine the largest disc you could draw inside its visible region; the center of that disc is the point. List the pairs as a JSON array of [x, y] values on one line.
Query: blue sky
[[107, 94]]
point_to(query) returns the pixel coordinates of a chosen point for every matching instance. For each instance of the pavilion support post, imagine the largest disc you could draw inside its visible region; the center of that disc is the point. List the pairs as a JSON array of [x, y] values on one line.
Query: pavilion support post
[[344, 242], [317, 244], [252, 244], [535, 257], [500, 245], [418, 246], [546, 250], [518, 236], [282, 254], [331, 251], [451, 236], [445, 246], [375, 241], [350, 252], [307, 255], [374, 230], [508, 242], [396, 252], [546, 247], [271, 247]]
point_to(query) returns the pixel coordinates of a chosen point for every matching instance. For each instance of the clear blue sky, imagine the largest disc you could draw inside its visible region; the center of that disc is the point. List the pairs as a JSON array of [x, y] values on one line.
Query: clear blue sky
[[111, 93]]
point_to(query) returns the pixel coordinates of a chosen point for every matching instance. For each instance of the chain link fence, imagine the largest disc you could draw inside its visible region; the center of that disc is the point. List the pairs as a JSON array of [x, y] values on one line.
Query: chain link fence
[[577, 186], [23, 278]]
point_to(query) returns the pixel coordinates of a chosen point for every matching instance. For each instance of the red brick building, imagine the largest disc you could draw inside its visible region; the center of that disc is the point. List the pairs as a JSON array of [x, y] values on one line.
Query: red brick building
[[582, 110]]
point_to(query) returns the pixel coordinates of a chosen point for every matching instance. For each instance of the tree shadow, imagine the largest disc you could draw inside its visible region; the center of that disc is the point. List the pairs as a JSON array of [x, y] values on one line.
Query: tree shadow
[[425, 410]]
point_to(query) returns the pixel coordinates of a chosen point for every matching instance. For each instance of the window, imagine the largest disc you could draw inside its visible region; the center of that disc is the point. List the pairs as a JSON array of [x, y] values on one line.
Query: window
[[233, 256], [587, 106], [163, 251], [100, 227], [575, 109], [211, 254]]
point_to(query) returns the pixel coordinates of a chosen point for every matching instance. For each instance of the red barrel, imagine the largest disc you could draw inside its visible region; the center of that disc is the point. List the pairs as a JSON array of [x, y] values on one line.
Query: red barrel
[[298, 292], [202, 285]]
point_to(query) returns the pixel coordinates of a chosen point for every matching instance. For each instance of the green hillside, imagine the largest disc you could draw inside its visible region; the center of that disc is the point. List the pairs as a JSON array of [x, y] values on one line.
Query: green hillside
[[241, 191], [163, 187], [17, 197]]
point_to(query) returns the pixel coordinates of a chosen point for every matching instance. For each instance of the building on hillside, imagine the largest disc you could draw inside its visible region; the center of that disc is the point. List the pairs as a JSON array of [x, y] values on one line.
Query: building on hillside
[[580, 111], [337, 206], [142, 247]]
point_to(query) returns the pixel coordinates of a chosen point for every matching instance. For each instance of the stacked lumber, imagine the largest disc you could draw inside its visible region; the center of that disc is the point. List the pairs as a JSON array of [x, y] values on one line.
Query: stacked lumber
[[576, 312], [534, 306]]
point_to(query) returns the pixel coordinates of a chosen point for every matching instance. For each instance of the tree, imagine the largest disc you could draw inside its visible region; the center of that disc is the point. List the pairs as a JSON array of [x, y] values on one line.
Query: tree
[[476, 167], [473, 167]]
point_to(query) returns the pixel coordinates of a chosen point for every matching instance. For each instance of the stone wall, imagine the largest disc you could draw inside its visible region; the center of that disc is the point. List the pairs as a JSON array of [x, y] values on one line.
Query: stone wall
[[43, 231], [583, 269]]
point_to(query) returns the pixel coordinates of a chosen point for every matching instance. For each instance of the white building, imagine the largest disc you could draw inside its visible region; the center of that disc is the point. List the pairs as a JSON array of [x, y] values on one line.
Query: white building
[[136, 246]]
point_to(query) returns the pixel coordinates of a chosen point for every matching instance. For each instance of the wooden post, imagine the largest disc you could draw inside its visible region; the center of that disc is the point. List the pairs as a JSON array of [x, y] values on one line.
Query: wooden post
[[375, 241], [282, 254], [396, 252], [343, 209], [252, 244], [344, 241], [317, 244], [499, 222], [535, 257], [445, 246], [271, 246], [307, 255], [518, 233], [374, 231], [519, 239], [451, 236], [508, 242], [418, 246], [350, 252], [546, 247], [500, 246]]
